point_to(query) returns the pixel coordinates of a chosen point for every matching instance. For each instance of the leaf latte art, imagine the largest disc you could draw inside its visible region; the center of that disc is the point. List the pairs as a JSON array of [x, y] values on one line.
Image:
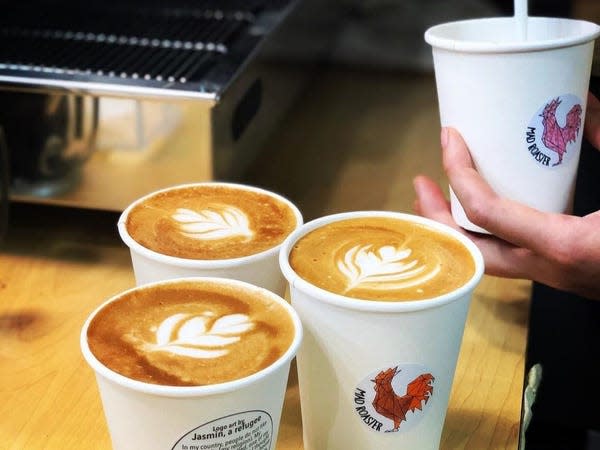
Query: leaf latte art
[[382, 258], [384, 268], [190, 332], [213, 223], [199, 336]]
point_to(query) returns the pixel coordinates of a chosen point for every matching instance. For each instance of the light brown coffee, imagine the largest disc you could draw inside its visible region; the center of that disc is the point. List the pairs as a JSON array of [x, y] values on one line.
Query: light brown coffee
[[210, 222], [190, 333], [380, 258]]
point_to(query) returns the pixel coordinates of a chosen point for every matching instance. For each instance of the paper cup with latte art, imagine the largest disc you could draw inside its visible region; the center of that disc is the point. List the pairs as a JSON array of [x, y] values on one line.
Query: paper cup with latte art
[[383, 298], [192, 363], [209, 229]]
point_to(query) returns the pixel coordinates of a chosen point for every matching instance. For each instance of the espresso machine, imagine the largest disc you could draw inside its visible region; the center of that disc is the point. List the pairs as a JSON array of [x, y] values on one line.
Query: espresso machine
[[103, 102]]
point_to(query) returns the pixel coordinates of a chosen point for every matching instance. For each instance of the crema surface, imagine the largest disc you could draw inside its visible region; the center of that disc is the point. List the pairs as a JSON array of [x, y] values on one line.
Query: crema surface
[[190, 334], [380, 258], [210, 222]]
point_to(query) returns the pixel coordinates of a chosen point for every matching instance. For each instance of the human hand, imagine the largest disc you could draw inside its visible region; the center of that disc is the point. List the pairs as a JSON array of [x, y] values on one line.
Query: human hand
[[558, 250]]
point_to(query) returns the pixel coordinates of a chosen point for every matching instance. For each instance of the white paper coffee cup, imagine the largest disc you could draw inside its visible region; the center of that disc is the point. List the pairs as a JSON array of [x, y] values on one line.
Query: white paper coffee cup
[[260, 269], [348, 342], [244, 413], [519, 104]]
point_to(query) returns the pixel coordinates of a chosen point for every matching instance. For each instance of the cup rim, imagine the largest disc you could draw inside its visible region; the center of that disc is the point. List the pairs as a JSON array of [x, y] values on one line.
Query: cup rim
[[192, 391], [369, 305], [435, 36], [201, 263]]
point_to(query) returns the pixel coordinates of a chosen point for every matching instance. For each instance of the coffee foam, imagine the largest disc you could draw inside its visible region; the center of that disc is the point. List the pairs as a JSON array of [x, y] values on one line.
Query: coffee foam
[[216, 222], [380, 258], [383, 268], [202, 337], [190, 334], [210, 221]]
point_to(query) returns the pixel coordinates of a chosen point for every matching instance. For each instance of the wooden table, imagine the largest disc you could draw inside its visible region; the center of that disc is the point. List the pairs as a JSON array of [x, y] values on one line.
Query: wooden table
[[354, 142]]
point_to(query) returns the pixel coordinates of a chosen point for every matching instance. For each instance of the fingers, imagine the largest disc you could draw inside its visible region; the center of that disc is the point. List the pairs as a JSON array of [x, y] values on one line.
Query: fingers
[[592, 121], [431, 201], [501, 258], [511, 221], [525, 243]]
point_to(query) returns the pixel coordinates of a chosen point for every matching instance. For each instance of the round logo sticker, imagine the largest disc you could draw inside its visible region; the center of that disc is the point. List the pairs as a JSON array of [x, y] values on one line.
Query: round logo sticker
[[552, 134], [394, 399]]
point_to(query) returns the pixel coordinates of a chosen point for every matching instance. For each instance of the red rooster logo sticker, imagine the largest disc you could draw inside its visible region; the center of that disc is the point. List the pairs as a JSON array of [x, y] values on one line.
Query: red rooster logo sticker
[[395, 407], [555, 137]]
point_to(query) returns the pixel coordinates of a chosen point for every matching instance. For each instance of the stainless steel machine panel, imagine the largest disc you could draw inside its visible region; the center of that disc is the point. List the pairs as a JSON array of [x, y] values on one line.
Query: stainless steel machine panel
[[103, 103]]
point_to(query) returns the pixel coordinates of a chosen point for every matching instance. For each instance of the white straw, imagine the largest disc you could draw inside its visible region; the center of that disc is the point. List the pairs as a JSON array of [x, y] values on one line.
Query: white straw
[[521, 18]]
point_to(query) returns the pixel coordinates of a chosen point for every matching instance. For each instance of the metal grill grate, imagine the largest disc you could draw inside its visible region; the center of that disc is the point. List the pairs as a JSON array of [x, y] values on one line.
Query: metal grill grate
[[172, 47]]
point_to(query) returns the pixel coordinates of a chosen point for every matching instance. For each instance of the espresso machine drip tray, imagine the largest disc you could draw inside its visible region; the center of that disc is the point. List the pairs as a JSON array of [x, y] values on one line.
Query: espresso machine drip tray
[[188, 48], [103, 102]]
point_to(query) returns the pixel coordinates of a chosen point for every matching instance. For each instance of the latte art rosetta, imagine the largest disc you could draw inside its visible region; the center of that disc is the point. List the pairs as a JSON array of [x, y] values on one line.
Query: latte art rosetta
[[191, 332], [210, 221], [199, 336], [382, 258], [383, 268], [214, 223]]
